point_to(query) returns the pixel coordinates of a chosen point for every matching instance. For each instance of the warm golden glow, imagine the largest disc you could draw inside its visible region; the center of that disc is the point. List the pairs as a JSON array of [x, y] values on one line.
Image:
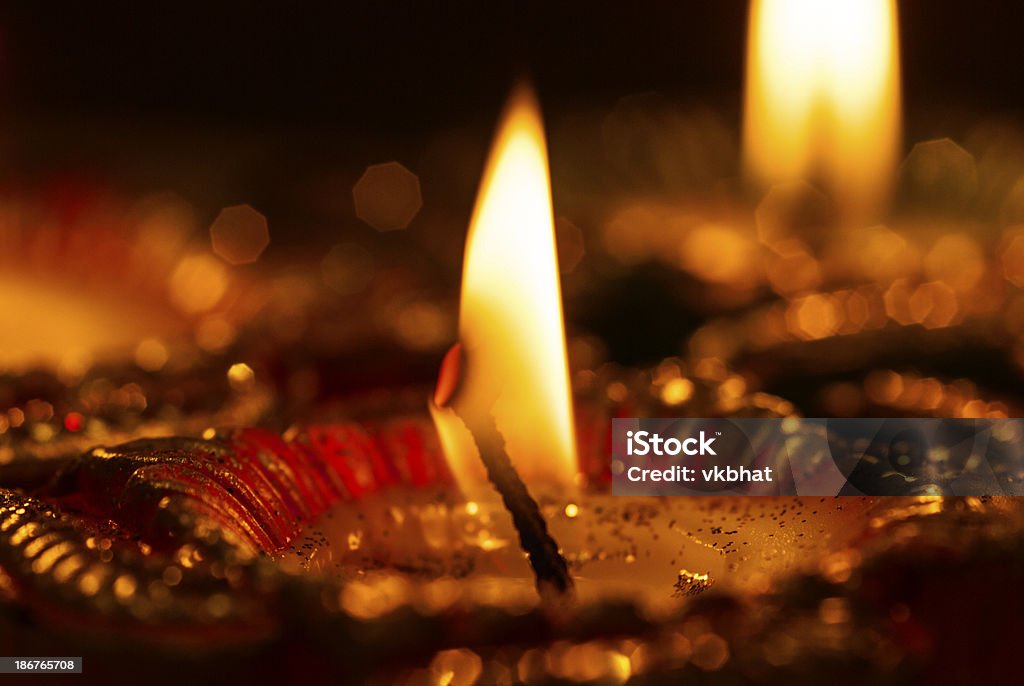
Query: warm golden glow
[[510, 318], [54, 325], [823, 98]]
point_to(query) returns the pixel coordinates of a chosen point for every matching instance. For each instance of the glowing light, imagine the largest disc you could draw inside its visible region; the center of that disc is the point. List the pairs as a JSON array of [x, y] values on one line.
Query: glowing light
[[719, 254], [214, 334], [513, 354], [677, 391], [73, 421], [387, 196], [124, 587], [239, 235], [61, 327], [198, 283], [822, 97], [834, 611], [151, 355], [241, 376]]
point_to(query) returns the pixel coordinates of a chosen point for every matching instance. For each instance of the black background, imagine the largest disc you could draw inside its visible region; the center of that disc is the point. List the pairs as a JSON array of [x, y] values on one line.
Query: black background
[[404, 66]]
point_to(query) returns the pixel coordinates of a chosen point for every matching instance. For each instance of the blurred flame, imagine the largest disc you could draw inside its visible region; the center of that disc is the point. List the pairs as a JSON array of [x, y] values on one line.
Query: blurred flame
[[512, 358], [823, 97]]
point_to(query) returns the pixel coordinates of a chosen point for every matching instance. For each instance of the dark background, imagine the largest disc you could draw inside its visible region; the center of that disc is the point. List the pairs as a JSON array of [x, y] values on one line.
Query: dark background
[[283, 105], [408, 67]]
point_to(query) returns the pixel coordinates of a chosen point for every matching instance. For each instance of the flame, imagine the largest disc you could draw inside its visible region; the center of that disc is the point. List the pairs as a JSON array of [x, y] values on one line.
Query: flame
[[823, 97], [511, 361]]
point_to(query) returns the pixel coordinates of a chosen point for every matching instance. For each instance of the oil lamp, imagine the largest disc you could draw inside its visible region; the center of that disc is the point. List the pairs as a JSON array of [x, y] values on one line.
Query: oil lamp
[[504, 390], [377, 539], [823, 98]]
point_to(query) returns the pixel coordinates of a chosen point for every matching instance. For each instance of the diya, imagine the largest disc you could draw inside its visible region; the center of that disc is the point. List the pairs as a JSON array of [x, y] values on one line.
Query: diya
[[241, 523]]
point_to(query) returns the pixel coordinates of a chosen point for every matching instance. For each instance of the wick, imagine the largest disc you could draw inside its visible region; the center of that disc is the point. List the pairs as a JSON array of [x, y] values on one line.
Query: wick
[[549, 566]]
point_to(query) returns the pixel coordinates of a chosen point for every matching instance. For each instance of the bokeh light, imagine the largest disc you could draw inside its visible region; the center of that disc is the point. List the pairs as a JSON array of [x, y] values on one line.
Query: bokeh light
[[347, 268], [198, 283], [387, 196], [239, 235]]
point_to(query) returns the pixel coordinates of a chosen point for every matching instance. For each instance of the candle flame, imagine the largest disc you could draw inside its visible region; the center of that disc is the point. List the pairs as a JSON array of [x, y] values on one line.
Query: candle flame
[[511, 360], [822, 97]]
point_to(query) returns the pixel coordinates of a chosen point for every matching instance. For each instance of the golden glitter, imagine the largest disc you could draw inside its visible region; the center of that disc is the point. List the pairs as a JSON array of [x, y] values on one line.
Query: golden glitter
[[666, 371], [158, 592], [387, 196], [456, 668], [214, 334], [710, 652], [460, 667], [489, 542], [531, 666], [933, 304], [46, 560], [957, 261], [813, 316], [15, 417], [151, 355], [838, 567], [834, 611], [218, 605], [66, 568], [241, 376], [171, 575], [198, 283], [398, 515], [973, 409], [439, 595], [620, 667], [42, 433], [677, 391], [239, 235], [38, 411], [884, 387], [124, 587], [720, 254], [10, 521], [369, 599], [572, 510], [39, 544], [733, 387], [23, 532], [185, 555], [691, 583], [90, 582], [617, 391], [472, 508], [897, 302]]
